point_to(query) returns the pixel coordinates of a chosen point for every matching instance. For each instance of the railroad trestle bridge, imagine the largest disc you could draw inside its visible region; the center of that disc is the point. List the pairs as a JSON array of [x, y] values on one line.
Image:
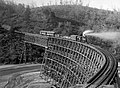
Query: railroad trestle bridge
[[69, 62]]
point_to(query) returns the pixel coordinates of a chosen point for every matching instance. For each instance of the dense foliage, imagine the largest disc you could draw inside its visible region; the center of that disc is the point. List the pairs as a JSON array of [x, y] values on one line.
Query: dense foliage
[[35, 19]]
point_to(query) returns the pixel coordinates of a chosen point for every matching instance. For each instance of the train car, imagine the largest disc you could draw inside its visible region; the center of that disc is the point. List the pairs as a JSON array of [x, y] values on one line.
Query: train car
[[47, 33], [78, 38], [43, 33], [73, 37]]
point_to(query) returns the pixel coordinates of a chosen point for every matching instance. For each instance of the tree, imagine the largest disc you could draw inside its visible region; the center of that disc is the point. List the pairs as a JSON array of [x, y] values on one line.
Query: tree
[[20, 8], [27, 14], [61, 2]]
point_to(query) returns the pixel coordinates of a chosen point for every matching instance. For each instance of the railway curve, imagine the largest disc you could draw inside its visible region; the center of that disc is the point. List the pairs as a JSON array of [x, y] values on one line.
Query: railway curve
[[101, 70], [70, 62]]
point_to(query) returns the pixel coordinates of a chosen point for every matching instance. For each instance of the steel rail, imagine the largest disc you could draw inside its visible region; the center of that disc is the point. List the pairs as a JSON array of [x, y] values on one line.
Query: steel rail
[[109, 70]]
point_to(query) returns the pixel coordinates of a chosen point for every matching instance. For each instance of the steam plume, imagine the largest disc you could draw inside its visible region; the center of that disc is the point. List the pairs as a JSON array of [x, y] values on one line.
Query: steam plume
[[110, 36]]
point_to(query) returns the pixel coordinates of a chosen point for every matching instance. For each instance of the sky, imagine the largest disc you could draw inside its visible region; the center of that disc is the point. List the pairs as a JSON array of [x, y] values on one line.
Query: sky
[[100, 4]]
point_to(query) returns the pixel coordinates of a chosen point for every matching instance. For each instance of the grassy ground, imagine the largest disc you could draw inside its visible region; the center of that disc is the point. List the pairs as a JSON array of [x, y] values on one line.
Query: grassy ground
[[11, 72]]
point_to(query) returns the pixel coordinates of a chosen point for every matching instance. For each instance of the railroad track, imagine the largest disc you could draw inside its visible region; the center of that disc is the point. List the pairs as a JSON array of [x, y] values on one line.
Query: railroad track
[[107, 73]]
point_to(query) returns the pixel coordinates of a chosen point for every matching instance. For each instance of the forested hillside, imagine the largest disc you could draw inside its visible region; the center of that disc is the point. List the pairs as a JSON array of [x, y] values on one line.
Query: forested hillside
[[35, 19], [63, 19]]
